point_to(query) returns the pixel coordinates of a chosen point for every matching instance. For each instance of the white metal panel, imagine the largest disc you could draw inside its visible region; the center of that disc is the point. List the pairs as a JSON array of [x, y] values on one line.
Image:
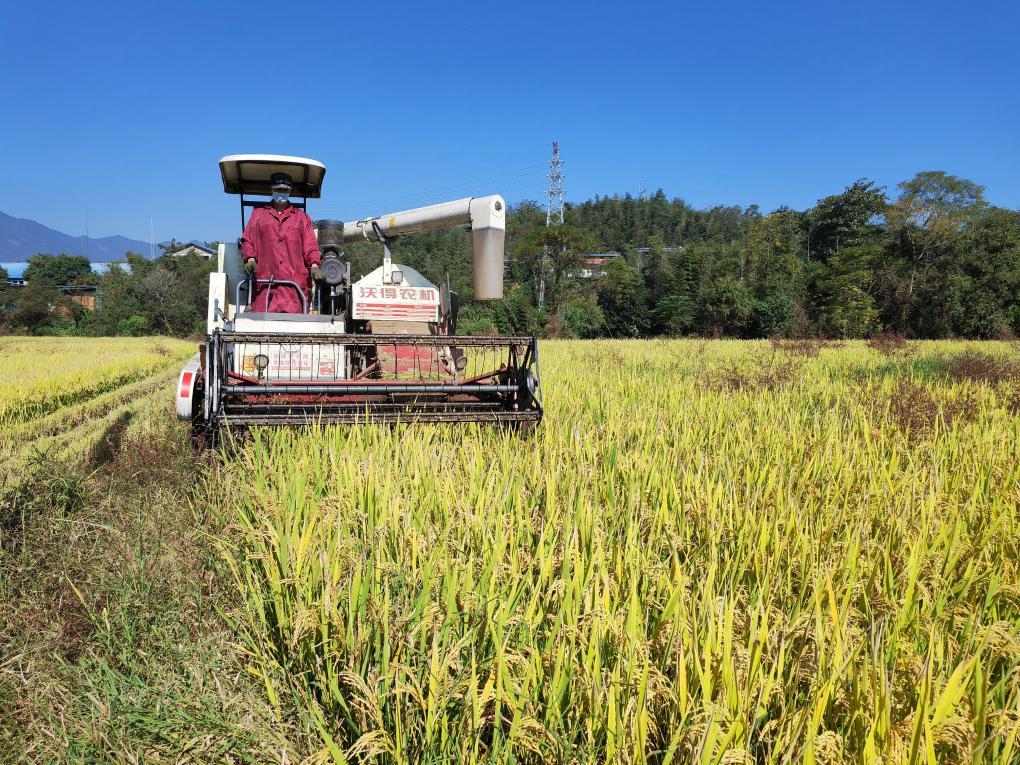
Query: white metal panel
[[257, 169], [230, 264], [186, 387], [219, 305], [488, 212], [287, 323], [415, 298], [290, 361]]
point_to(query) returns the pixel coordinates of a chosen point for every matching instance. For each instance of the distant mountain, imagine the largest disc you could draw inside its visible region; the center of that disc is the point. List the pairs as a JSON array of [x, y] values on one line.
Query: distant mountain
[[21, 238]]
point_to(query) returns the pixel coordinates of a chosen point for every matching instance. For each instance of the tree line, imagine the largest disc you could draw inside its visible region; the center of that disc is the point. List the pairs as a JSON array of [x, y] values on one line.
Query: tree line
[[164, 296], [932, 259]]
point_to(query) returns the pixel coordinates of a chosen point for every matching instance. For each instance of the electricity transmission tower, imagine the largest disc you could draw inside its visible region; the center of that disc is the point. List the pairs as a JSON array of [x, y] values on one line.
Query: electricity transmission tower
[[553, 212]]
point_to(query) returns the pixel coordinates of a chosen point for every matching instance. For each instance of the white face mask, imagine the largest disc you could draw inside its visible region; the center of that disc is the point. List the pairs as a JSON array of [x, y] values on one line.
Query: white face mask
[[281, 196]]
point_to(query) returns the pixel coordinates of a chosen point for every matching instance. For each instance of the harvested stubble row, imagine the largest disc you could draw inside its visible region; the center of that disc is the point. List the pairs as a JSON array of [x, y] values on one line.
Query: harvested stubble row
[[677, 566], [60, 394]]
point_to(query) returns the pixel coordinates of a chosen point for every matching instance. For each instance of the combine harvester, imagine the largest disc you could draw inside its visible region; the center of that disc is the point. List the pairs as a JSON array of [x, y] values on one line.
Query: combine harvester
[[382, 349]]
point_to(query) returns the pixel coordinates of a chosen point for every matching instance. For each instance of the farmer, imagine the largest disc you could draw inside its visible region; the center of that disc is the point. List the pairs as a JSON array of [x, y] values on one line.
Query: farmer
[[278, 242]]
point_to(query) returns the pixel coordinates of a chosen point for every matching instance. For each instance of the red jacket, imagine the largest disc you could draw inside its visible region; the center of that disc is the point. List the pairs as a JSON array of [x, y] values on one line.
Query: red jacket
[[283, 246]]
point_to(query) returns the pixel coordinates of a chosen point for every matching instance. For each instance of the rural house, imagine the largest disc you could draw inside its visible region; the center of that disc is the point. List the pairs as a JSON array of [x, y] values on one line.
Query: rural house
[[195, 248]]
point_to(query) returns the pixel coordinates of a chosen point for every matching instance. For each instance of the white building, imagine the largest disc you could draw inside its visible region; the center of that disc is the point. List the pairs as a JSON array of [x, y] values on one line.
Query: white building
[[195, 248]]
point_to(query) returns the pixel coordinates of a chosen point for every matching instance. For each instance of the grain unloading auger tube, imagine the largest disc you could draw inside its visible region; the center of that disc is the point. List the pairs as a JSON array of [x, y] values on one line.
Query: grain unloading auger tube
[[383, 348]]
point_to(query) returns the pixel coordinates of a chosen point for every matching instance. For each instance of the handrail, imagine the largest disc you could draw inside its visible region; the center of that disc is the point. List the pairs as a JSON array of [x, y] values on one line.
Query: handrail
[[270, 281]]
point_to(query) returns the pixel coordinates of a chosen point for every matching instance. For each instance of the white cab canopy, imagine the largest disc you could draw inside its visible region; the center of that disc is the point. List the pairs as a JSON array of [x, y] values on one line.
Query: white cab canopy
[[250, 174]]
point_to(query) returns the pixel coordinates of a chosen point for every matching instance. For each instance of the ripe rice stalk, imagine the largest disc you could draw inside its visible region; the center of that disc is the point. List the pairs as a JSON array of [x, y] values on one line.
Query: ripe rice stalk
[[667, 570]]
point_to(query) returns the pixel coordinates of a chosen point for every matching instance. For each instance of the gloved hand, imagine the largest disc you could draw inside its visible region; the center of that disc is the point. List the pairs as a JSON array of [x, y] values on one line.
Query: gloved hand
[[250, 266], [316, 273]]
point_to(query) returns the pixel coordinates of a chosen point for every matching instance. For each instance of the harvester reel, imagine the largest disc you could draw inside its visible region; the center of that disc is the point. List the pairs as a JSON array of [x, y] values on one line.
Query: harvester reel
[[398, 378]]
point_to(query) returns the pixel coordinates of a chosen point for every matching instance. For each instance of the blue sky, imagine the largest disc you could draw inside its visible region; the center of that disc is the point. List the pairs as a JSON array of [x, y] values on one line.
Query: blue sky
[[126, 108]]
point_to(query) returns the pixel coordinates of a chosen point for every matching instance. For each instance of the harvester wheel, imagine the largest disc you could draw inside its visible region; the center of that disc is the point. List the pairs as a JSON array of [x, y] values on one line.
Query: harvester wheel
[[200, 440], [200, 435], [531, 392]]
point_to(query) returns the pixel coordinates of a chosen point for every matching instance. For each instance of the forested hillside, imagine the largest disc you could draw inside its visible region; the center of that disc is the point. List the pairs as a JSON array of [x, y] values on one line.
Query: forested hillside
[[930, 259], [933, 259]]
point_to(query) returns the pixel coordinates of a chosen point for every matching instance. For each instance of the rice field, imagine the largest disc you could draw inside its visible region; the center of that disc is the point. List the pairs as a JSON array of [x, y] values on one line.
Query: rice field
[[709, 551], [712, 552], [60, 395]]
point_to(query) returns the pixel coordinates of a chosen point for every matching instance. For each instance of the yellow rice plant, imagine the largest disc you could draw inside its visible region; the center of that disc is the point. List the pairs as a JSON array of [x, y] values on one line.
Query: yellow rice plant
[[42, 375], [711, 552], [60, 393]]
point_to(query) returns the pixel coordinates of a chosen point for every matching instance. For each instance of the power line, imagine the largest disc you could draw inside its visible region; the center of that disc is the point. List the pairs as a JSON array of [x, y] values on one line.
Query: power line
[[437, 193], [359, 209]]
